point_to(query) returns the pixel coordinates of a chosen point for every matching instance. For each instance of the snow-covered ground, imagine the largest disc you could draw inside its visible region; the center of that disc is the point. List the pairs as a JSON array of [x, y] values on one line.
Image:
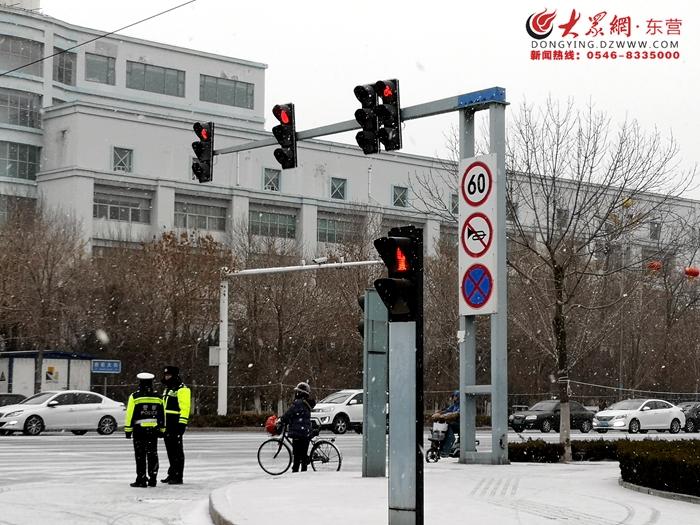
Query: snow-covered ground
[[62, 479], [516, 494]]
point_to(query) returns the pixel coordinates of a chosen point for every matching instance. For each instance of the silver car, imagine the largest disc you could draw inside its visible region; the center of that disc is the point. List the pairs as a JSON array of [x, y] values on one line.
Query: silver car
[[640, 415], [75, 410], [340, 411]]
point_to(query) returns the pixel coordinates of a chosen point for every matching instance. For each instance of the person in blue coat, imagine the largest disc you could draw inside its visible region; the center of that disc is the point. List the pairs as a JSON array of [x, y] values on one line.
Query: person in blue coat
[[451, 416], [298, 418]]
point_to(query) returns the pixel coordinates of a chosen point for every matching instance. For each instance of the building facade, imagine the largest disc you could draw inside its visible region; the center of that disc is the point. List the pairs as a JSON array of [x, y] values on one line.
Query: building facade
[[101, 127]]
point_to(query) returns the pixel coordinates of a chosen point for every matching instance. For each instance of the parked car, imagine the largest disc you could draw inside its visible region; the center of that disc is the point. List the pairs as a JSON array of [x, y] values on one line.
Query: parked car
[[640, 415], [11, 399], [691, 410], [74, 410], [545, 416], [340, 411]]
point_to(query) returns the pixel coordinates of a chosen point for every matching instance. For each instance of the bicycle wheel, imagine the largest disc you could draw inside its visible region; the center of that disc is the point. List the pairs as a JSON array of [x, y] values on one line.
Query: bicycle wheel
[[274, 456], [325, 456]]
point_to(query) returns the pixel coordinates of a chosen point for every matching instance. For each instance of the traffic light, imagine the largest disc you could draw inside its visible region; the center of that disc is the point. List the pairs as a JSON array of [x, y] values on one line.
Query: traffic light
[[286, 135], [367, 139], [203, 167], [389, 114], [402, 291]]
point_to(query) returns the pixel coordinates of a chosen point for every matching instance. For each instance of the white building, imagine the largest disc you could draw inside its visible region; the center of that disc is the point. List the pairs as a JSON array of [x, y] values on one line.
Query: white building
[[101, 127]]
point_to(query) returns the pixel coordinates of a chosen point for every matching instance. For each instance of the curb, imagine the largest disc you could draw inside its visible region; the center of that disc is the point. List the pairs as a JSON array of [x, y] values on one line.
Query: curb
[[660, 493]]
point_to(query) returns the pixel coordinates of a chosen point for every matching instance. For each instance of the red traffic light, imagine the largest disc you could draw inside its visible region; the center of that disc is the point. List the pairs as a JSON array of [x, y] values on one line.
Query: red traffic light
[[386, 89], [401, 262], [282, 113], [203, 131]]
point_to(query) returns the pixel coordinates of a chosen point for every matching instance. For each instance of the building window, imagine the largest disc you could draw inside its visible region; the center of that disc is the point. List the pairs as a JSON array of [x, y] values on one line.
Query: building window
[[122, 160], [272, 224], [20, 108], [225, 91], [15, 52], [121, 208], [271, 179], [454, 204], [331, 230], [99, 68], [338, 188], [9, 204], [18, 161], [400, 197], [200, 216], [449, 235], [655, 230], [155, 79], [64, 67]]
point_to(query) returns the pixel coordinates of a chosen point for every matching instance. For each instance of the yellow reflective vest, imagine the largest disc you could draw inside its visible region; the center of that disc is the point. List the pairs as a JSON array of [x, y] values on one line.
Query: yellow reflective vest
[[144, 410], [177, 404]]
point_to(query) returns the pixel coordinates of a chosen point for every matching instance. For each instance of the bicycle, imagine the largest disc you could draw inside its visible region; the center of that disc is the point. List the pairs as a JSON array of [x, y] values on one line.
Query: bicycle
[[275, 454]]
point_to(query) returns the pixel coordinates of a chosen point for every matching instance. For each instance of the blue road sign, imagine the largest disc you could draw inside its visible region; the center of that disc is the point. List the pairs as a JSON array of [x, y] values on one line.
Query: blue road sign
[[106, 366], [477, 285]]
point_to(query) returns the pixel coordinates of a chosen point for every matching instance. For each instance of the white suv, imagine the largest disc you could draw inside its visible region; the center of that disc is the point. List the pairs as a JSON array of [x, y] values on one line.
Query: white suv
[[340, 411]]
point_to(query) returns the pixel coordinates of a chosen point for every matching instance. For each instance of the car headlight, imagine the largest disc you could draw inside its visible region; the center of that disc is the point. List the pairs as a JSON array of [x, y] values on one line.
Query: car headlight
[[14, 414], [324, 409], [510, 417], [530, 418], [622, 416]]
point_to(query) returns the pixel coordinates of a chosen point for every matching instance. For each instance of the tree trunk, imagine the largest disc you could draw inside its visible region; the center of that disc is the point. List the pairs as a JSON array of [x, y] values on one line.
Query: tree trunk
[[559, 323]]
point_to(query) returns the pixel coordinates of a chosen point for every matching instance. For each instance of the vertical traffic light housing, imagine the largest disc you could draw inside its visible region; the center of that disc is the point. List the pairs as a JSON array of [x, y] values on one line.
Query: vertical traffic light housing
[[367, 139], [402, 290], [286, 135], [389, 114], [203, 167]]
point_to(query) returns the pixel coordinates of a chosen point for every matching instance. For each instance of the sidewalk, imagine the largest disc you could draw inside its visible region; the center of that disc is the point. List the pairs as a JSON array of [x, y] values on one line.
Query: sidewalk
[[518, 494]]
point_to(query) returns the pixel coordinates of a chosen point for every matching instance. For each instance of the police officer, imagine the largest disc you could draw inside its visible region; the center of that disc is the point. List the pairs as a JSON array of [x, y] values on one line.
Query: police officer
[[144, 421], [177, 399]]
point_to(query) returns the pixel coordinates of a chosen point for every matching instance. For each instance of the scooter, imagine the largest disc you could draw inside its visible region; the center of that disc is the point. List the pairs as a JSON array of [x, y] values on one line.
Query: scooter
[[437, 438]]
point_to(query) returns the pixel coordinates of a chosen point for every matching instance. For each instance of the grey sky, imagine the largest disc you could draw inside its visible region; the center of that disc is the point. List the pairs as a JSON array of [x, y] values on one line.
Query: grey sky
[[318, 51]]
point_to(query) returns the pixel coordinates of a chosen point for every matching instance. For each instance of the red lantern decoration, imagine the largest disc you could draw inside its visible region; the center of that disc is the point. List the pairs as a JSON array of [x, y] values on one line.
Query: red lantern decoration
[[654, 267], [692, 272]]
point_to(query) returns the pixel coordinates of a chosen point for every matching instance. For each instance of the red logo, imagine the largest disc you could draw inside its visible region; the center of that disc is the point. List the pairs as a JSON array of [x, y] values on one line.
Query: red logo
[[539, 25]]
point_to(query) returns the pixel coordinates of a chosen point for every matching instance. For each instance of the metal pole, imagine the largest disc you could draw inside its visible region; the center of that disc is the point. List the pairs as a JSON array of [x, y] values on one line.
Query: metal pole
[[305, 267], [223, 348]]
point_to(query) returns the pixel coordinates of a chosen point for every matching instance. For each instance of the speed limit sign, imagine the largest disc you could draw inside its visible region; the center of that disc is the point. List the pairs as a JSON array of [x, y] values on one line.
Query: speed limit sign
[[477, 182]]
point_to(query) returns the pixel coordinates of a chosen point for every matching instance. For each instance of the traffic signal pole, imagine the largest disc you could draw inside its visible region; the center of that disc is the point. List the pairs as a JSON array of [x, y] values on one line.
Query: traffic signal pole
[[222, 407], [475, 101]]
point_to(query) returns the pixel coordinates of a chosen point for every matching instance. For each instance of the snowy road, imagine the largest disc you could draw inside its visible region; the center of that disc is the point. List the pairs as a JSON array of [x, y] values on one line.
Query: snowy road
[[59, 478]]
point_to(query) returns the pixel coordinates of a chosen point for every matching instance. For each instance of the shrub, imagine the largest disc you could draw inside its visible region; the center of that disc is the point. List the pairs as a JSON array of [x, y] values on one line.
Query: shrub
[[535, 451]]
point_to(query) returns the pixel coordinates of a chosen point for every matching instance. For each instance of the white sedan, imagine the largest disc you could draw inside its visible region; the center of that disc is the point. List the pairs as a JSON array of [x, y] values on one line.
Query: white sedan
[[640, 415], [75, 410]]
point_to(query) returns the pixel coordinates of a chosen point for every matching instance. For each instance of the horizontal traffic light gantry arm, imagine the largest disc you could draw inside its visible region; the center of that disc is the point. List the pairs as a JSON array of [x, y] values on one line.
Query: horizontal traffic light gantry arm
[[475, 101]]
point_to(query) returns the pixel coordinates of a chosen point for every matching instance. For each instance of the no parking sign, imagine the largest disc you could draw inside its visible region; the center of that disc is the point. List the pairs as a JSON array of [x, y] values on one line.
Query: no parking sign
[[477, 224]]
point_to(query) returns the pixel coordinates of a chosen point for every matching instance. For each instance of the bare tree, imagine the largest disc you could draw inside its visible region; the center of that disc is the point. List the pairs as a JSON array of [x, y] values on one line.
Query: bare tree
[[574, 188], [582, 199], [42, 270]]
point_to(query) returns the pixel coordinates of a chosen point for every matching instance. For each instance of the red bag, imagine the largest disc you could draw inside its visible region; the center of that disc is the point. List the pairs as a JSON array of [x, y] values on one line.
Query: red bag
[[270, 425]]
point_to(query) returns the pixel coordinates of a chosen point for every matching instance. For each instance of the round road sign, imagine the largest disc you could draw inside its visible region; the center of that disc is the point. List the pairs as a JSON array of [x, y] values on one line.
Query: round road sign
[[476, 183], [477, 286], [477, 233]]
